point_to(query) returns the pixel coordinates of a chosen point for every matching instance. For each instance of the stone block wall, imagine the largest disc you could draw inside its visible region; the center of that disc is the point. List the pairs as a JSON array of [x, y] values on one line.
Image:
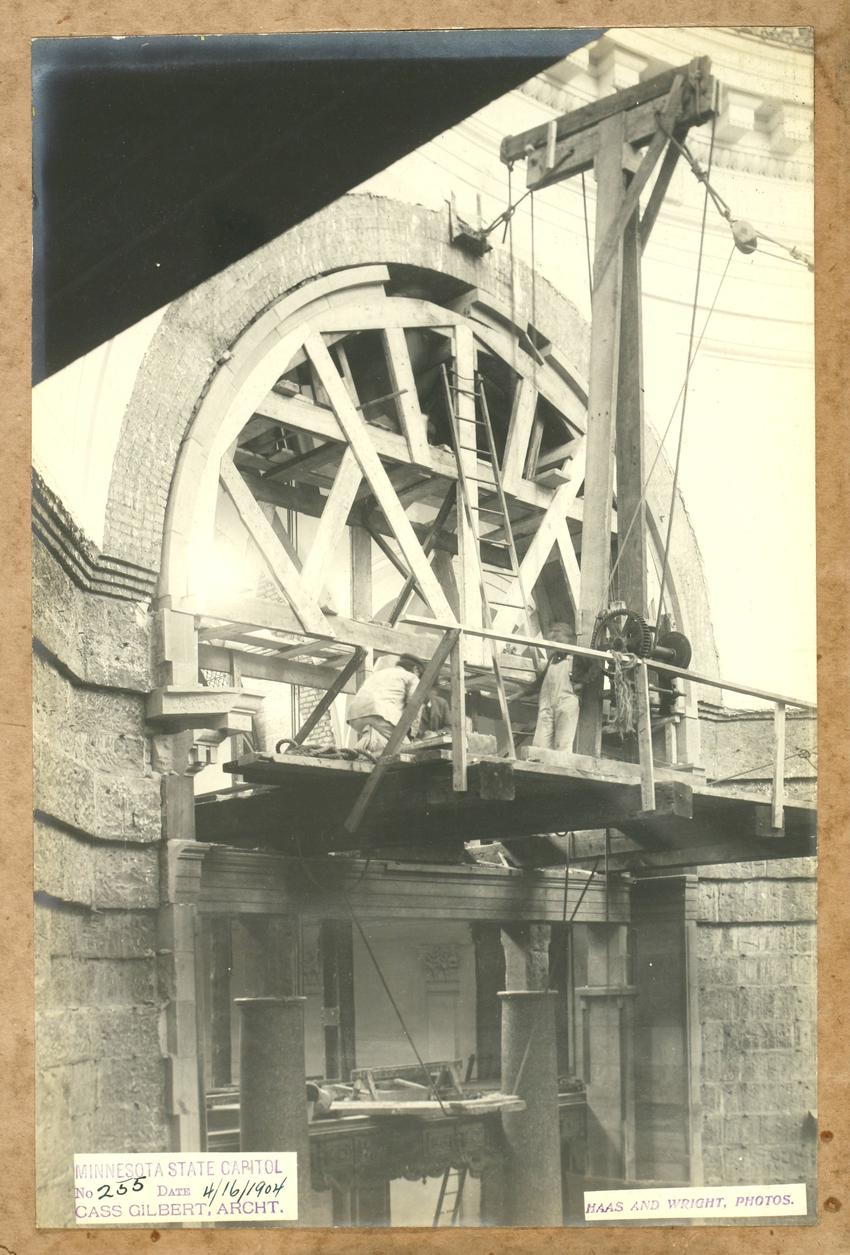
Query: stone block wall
[[99, 1025], [757, 985]]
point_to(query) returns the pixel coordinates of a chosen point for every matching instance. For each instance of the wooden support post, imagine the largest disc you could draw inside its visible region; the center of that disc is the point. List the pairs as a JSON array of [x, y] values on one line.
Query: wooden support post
[[411, 710], [644, 735], [337, 953], [631, 441], [327, 699], [602, 408], [458, 718], [777, 795]]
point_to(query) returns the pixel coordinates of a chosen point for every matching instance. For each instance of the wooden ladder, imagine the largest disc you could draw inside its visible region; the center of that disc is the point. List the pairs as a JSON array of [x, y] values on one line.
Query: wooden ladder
[[503, 528], [449, 1200]]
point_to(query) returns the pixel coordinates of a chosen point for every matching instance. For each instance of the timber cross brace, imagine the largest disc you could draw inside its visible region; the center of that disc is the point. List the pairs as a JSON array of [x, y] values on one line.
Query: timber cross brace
[[608, 136]]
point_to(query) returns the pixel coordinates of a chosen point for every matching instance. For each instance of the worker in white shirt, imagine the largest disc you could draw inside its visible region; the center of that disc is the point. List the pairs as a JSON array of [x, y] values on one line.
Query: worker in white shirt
[[558, 707], [378, 704]]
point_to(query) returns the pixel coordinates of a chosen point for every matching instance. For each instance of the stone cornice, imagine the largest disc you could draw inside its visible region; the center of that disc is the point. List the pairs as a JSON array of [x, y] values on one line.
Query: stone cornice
[[80, 558], [762, 128]]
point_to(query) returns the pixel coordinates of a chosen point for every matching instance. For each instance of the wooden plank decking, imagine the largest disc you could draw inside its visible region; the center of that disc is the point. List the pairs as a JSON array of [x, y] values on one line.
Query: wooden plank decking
[[417, 809]]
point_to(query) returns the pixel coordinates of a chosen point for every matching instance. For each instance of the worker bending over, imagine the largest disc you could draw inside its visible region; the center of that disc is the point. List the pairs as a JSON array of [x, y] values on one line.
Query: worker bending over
[[558, 707], [378, 704]]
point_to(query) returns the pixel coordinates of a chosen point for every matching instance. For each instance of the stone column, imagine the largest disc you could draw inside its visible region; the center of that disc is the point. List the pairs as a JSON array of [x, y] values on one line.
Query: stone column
[[272, 1085], [606, 1057], [530, 1070]]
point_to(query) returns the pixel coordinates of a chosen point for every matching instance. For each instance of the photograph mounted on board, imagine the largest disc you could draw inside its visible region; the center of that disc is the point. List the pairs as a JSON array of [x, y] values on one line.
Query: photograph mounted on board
[[424, 629]]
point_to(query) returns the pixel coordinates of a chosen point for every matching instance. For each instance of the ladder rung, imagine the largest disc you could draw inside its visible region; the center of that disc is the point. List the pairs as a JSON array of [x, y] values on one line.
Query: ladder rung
[[496, 544], [463, 418], [487, 509], [508, 604]]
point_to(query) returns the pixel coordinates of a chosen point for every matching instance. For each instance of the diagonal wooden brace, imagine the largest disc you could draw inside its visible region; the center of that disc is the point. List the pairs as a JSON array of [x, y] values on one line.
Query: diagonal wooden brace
[[400, 731], [631, 198], [326, 701]]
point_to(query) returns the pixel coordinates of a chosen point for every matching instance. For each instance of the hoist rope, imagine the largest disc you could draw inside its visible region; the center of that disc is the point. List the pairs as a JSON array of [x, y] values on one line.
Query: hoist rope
[[379, 971], [702, 176], [688, 369]]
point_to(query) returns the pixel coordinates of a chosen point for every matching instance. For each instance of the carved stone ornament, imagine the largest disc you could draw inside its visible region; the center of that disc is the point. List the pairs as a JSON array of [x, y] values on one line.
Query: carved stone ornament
[[441, 962]]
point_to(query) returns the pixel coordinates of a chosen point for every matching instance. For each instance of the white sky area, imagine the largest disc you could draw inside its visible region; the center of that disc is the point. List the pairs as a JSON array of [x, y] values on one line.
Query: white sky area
[[747, 473]]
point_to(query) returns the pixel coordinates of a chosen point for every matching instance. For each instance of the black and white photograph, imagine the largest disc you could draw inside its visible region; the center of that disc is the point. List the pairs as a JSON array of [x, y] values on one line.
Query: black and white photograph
[[424, 652]]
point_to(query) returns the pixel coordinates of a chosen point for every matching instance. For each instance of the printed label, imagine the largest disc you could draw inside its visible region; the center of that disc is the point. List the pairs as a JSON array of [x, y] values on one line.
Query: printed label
[[155, 1189], [691, 1202]]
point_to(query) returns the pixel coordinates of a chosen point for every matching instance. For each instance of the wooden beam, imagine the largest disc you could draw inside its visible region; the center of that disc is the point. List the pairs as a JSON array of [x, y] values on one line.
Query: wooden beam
[[278, 617], [400, 731], [439, 521], [569, 564], [515, 147], [264, 882], [549, 532], [317, 568], [359, 438], [304, 463], [318, 421], [324, 704], [630, 202], [413, 422], [602, 407], [266, 667], [632, 563], [519, 432], [644, 738], [458, 719], [660, 186], [306, 500], [281, 566]]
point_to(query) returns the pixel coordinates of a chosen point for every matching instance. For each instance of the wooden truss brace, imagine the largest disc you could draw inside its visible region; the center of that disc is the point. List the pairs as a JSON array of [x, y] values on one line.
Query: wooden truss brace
[[400, 731], [281, 567], [326, 701], [552, 530], [358, 435]]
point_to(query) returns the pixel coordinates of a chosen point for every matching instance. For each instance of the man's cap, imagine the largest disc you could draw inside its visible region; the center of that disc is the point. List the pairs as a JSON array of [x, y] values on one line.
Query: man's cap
[[410, 658]]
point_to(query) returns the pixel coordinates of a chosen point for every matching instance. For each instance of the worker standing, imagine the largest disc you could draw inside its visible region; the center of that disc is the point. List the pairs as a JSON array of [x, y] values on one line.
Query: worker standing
[[379, 703], [558, 707]]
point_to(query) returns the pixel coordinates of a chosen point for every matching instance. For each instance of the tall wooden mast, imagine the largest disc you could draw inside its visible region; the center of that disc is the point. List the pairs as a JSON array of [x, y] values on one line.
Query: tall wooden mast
[[609, 136]]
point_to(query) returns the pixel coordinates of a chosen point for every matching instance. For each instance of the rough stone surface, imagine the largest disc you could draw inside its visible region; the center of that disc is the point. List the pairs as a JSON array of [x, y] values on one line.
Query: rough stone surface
[[100, 640], [756, 962], [100, 1072]]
